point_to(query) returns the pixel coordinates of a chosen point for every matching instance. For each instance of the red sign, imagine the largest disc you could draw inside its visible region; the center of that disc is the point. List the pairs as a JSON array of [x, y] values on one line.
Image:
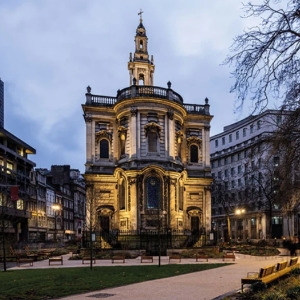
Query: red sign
[[14, 193]]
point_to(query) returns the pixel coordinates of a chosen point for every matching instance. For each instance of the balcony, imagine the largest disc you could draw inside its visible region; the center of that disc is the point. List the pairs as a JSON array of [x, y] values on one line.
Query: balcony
[[12, 212], [136, 91]]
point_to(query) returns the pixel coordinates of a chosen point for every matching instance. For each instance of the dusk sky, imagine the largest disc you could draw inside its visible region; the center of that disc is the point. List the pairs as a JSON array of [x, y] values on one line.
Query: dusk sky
[[51, 50]]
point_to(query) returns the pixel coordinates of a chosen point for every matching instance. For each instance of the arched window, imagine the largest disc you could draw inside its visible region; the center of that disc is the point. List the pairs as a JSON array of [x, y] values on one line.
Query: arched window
[[141, 79], [152, 141], [194, 154], [104, 148], [141, 45], [153, 192]]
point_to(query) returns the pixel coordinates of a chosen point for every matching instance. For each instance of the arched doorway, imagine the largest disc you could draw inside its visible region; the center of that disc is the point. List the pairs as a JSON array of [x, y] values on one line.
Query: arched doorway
[[195, 224], [195, 214], [104, 213]]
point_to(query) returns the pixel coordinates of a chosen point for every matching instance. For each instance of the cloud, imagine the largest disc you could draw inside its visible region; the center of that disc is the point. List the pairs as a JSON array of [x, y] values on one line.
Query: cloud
[[52, 50]]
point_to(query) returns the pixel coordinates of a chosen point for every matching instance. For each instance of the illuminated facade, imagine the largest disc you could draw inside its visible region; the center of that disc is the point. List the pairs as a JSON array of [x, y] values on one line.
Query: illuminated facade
[[148, 156], [15, 170]]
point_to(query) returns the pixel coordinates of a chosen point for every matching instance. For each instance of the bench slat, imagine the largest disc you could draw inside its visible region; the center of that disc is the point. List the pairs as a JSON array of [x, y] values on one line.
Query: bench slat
[[89, 259], [146, 258], [229, 256], [56, 259], [25, 260], [118, 258], [270, 273], [201, 256], [174, 256]]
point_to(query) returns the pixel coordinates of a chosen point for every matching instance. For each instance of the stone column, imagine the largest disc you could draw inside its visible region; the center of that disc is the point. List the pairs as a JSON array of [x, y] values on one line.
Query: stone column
[[133, 204], [207, 209], [90, 139], [133, 133], [170, 135], [206, 146]]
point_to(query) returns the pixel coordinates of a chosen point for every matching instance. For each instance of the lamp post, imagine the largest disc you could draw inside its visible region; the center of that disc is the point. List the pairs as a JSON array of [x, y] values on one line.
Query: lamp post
[[56, 207], [160, 216], [239, 212]]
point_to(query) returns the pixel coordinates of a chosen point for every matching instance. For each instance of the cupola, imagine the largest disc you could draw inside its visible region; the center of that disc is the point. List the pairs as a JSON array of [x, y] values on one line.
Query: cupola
[[141, 69]]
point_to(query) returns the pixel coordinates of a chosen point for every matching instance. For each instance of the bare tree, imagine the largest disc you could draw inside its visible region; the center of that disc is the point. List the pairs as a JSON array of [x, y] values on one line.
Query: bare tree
[[266, 57], [265, 185], [286, 143], [222, 197], [90, 218], [91, 213], [262, 180]]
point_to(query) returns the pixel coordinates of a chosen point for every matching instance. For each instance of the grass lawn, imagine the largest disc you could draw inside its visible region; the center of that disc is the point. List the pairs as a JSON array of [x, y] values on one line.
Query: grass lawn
[[60, 282]]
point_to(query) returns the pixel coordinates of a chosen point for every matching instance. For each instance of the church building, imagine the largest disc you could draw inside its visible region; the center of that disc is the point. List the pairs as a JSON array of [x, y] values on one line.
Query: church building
[[147, 161]]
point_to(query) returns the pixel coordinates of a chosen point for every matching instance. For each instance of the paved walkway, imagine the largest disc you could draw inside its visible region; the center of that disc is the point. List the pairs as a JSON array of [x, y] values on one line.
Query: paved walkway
[[205, 285]]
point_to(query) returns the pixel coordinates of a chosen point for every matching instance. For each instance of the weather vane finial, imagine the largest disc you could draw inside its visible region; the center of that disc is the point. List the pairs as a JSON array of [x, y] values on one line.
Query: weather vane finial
[[140, 14]]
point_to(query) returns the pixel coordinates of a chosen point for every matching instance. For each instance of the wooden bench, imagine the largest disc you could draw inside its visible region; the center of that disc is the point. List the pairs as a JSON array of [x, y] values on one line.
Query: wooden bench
[[270, 273], [45, 253], [175, 256], [24, 260], [88, 259], [201, 256], [56, 259], [146, 258], [8, 258], [118, 258], [229, 255]]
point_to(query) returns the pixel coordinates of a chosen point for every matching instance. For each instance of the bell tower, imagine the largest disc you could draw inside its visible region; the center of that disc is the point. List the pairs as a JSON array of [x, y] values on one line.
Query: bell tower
[[140, 67]]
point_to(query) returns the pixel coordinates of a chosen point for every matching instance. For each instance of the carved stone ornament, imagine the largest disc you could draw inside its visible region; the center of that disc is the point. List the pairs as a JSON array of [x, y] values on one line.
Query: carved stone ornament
[[152, 127], [87, 117], [106, 210], [133, 110], [103, 134], [170, 114], [194, 211], [194, 140], [122, 133], [141, 70], [179, 136]]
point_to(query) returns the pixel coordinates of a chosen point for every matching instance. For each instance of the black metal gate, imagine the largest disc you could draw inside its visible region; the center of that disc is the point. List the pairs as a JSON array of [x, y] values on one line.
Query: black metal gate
[[152, 242]]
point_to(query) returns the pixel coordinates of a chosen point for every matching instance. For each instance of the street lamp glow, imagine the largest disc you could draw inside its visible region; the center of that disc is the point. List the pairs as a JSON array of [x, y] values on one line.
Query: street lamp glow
[[56, 207], [240, 211]]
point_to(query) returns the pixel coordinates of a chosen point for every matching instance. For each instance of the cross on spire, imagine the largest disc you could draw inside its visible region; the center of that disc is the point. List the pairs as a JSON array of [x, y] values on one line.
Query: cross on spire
[[140, 14]]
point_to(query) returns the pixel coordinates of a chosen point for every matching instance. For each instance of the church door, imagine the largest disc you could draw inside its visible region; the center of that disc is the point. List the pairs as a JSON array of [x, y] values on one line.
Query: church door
[[194, 224], [104, 223]]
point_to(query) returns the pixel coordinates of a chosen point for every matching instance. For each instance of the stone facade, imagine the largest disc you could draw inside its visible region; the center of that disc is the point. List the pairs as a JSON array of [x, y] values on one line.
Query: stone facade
[[240, 155], [147, 155]]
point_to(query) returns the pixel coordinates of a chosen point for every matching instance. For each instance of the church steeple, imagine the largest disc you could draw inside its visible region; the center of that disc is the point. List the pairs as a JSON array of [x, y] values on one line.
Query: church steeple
[[140, 67]]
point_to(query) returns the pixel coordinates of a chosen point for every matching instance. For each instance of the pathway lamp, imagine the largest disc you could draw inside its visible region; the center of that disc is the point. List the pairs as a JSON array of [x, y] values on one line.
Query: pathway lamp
[[56, 207], [160, 217], [239, 212]]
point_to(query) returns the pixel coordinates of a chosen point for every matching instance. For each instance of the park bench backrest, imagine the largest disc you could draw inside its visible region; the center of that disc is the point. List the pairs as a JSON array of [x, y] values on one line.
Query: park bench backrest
[[293, 261], [281, 265], [266, 271]]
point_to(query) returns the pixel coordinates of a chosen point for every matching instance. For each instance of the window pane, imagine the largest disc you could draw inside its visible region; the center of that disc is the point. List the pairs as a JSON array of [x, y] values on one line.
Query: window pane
[[153, 192], [194, 153], [104, 148], [152, 142]]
